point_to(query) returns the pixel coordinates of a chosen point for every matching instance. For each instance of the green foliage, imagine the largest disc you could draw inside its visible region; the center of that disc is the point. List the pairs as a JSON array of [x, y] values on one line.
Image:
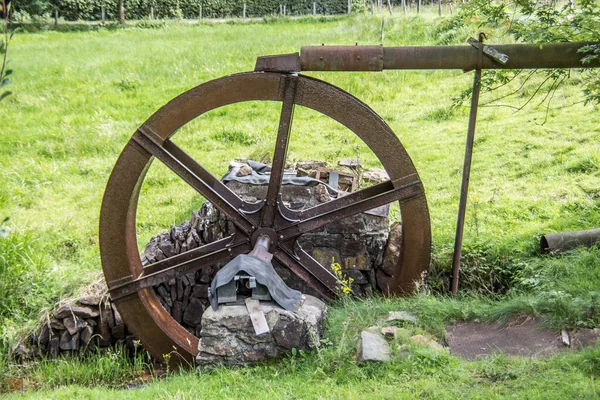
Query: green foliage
[[191, 9], [7, 35], [532, 22], [25, 279], [32, 8]]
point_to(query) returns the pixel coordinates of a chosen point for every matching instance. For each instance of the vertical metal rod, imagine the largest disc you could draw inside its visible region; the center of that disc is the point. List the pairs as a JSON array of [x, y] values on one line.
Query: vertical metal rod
[[464, 190], [281, 148]]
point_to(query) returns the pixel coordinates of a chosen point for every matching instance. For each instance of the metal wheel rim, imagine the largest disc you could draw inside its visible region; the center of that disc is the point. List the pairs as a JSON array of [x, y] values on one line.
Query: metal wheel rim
[[145, 317]]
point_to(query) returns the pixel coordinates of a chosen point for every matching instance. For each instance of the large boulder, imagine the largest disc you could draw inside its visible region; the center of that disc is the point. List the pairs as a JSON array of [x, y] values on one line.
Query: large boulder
[[228, 337]]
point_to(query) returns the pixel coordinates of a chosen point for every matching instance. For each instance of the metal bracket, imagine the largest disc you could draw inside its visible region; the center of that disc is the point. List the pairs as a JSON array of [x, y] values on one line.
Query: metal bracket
[[489, 51]]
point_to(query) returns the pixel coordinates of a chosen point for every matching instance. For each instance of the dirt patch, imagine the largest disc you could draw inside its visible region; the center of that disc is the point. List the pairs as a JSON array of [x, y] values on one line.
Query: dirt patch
[[524, 337]]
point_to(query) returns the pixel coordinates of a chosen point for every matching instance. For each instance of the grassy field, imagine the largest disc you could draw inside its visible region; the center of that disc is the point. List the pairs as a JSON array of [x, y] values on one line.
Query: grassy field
[[78, 97]]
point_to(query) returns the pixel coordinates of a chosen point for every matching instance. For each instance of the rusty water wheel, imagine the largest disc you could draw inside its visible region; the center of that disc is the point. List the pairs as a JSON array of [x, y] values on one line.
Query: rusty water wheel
[[130, 284]]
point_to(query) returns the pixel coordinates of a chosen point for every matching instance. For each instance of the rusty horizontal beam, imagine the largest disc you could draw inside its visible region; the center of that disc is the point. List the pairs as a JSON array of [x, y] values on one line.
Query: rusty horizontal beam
[[378, 58]]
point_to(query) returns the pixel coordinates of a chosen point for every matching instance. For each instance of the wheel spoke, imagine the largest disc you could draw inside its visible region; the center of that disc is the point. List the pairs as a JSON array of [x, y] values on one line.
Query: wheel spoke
[[307, 269], [347, 206], [281, 147], [218, 186], [198, 258], [188, 169]]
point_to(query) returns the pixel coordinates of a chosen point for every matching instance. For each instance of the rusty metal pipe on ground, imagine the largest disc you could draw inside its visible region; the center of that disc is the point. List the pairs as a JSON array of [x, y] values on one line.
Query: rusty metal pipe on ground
[[558, 242], [379, 58]]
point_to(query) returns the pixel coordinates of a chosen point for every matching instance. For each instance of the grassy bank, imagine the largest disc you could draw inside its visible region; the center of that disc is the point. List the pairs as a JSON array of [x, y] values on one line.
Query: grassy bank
[[78, 97]]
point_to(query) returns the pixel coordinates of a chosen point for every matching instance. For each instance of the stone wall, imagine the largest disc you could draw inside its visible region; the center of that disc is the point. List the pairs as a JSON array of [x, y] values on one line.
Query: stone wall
[[77, 327], [357, 243]]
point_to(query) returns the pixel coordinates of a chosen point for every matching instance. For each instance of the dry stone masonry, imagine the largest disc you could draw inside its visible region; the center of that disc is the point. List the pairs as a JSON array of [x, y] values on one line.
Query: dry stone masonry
[[78, 326], [359, 244]]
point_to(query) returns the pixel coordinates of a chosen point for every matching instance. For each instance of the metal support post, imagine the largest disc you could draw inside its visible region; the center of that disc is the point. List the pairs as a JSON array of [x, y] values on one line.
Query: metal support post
[[464, 190]]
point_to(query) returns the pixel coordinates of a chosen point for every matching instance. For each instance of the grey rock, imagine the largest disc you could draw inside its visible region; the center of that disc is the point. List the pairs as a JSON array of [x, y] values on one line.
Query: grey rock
[[117, 315], [89, 300], [70, 309], [179, 288], [177, 311], [165, 295], [244, 170], [74, 324], [204, 275], [167, 248], [426, 341], [193, 312], [358, 276], [322, 194], [173, 290], [403, 316], [201, 290], [56, 325], [393, 249], [102, 332], [107, 315], [309, 165], [375, 176], [68, 341], [86, 335], [228, 337], [54, 346], [373, 347], [44, 335]]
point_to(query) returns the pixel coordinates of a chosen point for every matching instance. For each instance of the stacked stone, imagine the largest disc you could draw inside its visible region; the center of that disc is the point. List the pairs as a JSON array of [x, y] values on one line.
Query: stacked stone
[[186, 297], [77, 327], [357, 243]]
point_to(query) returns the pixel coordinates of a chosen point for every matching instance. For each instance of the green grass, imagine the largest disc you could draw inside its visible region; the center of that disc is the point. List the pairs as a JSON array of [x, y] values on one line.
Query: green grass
[[78, 97]]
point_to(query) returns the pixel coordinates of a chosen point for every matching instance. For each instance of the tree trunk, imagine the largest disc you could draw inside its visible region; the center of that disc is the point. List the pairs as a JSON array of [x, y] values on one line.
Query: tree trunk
[[121, 12]]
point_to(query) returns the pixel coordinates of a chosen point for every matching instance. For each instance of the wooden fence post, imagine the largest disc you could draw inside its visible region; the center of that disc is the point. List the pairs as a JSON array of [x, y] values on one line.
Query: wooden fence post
[[314, 8], [390, 6], [55, 17], [200, 11], [404, 6], [419, 7], [439, 7], [349, 6], [244, 11]]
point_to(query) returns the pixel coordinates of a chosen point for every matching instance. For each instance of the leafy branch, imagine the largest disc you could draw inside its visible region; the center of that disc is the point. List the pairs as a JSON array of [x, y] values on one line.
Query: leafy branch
[[532, 21]]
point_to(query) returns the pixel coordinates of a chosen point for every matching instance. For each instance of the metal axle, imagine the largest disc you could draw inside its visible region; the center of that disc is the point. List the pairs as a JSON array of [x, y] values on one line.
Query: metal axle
[[379, 58]]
